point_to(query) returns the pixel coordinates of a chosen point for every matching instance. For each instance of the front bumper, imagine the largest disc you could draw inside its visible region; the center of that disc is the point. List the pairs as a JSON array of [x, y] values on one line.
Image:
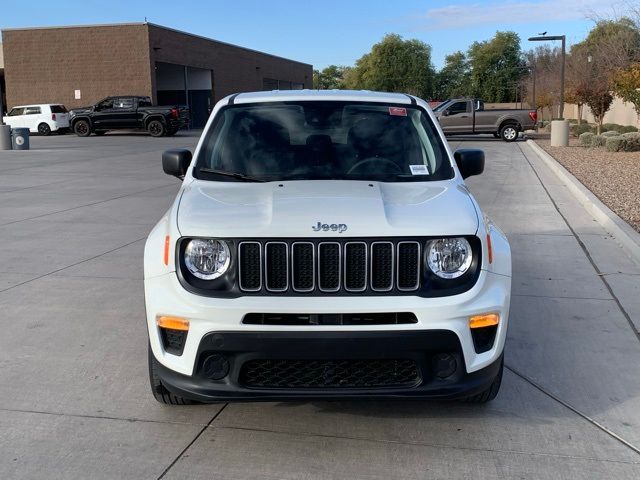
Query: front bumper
[[164, 295], [233, 351]]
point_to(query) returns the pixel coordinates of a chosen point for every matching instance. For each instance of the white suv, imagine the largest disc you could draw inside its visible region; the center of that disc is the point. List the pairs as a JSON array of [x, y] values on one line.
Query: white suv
[[42, 119], [324, 244]]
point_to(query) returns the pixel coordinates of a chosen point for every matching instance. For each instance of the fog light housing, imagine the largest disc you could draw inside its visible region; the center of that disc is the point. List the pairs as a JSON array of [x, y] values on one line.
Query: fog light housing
[[173, 333], [216, 367], [444, 365], [483, 331]]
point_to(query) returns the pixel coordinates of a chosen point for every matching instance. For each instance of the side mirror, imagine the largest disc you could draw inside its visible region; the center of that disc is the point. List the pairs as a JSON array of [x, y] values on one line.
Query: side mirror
[[445, 113], [176, 162], [470, 161]]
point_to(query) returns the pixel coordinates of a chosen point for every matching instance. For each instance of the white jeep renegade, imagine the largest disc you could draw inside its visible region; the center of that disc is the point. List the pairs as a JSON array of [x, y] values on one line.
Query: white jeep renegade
[[324, 244]]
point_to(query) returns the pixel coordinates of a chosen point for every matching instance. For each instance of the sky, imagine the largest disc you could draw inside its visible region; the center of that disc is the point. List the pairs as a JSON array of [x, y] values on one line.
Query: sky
[[329, 31]]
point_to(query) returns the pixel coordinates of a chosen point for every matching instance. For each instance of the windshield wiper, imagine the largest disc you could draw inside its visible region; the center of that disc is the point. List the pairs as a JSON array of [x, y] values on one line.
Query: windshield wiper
[[238, 176]]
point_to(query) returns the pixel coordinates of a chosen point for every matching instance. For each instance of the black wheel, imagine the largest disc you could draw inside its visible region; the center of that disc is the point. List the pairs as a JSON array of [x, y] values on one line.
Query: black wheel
[[44, 129], [509, 132], [82, 128], [491, 392], [171, 132], [160, 393], [100, 132], [156, 128]]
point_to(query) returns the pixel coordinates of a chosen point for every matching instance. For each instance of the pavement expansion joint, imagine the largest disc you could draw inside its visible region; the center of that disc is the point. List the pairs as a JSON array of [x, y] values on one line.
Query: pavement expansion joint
[[72, 265], [98, 417], [83, 206], [584, 248], [591, 420], [562, 297], [198, 435], [423, 444]]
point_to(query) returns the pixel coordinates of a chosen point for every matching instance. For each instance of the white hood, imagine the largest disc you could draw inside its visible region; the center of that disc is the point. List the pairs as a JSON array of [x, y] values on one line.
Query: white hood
[[291, 209]]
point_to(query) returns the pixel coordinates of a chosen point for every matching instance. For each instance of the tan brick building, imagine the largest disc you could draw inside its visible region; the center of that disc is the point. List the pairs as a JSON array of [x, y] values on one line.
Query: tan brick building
[[80, 65]]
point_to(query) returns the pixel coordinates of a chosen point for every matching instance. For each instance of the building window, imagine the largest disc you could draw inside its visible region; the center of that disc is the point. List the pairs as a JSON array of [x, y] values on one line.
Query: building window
[[297, 86], [269, 84]]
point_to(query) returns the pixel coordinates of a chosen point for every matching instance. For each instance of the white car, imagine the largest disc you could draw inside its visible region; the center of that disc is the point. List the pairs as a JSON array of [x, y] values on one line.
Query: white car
[[323, 244], [42, 119]]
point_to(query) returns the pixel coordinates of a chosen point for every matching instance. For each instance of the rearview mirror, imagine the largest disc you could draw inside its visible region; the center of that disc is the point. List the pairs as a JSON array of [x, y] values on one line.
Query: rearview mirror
[[470, 161], [176, 162]]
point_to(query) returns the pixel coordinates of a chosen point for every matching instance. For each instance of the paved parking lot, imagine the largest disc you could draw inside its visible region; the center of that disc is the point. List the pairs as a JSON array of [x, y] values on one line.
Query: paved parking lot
[[74, 213]]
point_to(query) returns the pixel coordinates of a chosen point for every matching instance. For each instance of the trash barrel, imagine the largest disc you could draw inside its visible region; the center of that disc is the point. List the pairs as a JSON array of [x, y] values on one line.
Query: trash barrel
[[5, 137], [20, 138]]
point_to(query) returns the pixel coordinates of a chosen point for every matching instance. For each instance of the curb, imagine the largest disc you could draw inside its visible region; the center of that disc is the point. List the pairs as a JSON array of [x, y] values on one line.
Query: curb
[[610, 221]]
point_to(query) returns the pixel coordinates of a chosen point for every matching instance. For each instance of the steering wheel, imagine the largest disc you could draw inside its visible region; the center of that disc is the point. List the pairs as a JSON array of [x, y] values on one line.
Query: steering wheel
[[375, 159]]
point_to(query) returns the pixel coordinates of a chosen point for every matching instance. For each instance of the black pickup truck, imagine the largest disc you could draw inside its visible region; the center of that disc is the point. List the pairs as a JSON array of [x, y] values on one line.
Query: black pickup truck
[[128, 112]]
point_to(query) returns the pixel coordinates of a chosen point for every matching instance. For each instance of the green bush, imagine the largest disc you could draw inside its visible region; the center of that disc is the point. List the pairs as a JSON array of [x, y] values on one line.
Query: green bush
[[586, 138], [632, 144], [578, 130], [611, 126], [632, 135], [611, 133], [598, 141], [616, 144], [628, 129], [623, 143]]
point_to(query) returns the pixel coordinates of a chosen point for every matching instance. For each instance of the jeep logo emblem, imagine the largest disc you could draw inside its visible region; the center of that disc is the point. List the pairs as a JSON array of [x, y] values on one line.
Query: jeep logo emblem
[[333, 227]]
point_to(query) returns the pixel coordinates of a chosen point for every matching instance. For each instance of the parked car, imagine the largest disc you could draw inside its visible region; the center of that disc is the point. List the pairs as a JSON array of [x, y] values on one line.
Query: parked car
[[323, 244], [465, 116], [128, 112], [41, 118]]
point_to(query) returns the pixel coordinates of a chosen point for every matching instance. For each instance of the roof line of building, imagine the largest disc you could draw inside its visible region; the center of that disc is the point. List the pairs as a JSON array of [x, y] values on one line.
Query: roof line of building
[[226, 43], [157, 26]]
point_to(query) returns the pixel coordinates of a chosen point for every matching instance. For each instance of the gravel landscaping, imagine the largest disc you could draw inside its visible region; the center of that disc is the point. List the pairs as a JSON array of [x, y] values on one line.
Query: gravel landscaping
[[614, 177]]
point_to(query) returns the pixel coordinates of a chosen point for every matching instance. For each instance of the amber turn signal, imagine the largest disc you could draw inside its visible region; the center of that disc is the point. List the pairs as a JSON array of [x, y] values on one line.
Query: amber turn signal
[[481, 321], [173, 323], [167, 243]]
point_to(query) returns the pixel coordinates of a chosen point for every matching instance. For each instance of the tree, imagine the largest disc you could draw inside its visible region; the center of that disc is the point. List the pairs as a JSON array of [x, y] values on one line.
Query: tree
[[394, 65], [453, 79], [496, 67], [331, 77], [598, 62], [626, 84], [545, 65]]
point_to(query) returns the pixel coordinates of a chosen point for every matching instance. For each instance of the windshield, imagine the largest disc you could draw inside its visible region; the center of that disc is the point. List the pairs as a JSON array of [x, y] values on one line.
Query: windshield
[[322, 140], [442, 106]]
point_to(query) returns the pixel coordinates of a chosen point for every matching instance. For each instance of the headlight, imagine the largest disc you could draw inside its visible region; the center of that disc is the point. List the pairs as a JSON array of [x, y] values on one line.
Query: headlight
[[449, 257], [207, 258]]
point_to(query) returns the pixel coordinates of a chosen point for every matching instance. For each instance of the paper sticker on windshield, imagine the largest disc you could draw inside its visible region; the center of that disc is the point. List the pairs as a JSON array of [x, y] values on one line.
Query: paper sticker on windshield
[[419, 170], [398, 111]]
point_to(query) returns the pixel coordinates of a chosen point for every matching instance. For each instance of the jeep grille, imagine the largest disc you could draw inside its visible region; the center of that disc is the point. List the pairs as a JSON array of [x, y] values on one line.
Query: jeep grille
[[310, 267]]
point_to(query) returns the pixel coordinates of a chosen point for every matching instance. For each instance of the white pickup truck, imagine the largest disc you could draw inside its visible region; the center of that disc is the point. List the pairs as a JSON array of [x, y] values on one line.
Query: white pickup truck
[[324, 245]]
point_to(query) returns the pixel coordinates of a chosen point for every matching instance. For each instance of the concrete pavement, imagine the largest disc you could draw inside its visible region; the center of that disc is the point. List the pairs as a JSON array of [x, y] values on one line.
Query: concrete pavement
[[73, 218]]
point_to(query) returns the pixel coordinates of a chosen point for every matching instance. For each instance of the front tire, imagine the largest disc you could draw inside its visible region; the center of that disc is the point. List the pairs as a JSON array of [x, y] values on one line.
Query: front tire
[[82, 128], [156, 128], [492, 390], [44, 129], [160, 392], [509, 132]]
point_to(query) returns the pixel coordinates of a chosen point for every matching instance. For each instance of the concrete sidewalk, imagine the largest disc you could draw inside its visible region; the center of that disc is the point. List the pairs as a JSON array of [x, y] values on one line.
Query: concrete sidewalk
[[73, 379]]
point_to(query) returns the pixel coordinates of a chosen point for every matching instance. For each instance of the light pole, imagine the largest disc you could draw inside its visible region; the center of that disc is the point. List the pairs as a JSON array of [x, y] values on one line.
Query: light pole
[[545, 38]]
